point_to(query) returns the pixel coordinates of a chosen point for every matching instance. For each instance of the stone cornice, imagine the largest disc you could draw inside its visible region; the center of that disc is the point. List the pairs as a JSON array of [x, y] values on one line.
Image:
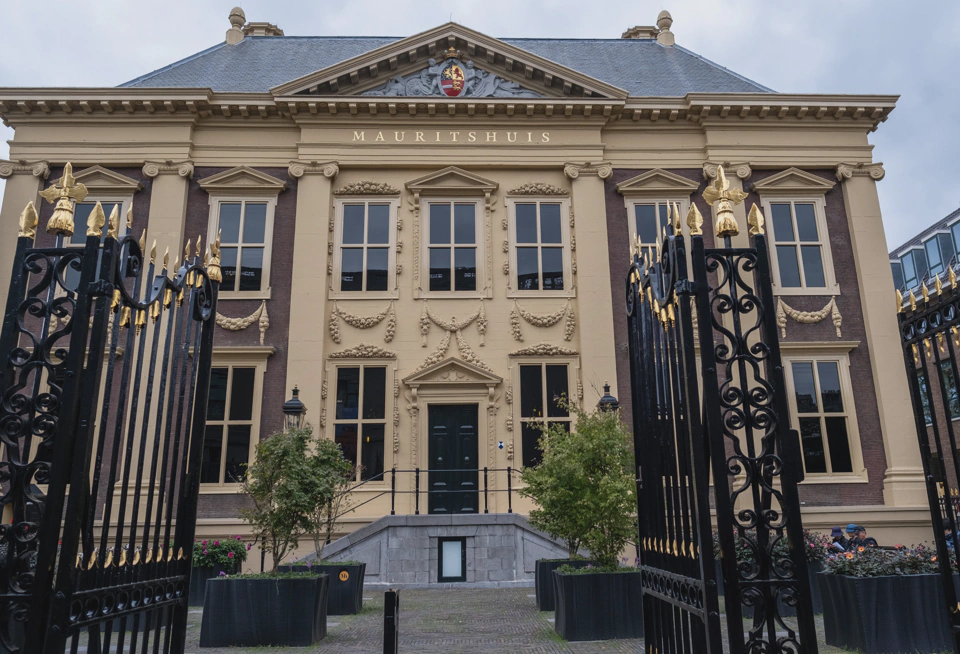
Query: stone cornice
[[741, 170], [298, 169], [601, 169], [39, 169], [846, 171], [182, 168]]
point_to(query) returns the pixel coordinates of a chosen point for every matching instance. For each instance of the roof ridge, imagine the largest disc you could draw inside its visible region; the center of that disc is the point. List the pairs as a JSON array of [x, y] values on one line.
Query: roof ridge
[[196, 55], [724, 68], [917, 239]]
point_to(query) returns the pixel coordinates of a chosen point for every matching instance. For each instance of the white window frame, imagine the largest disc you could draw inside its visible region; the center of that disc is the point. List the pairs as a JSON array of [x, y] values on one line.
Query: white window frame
[[213, 228], [570, 289], [392, 292], [832, 287], [480, 236], [573, 372], [123, 200]]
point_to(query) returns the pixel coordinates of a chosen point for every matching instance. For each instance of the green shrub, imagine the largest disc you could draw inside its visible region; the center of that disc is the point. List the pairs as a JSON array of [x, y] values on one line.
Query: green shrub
[[227, 552], [875, 562], [816, 546]]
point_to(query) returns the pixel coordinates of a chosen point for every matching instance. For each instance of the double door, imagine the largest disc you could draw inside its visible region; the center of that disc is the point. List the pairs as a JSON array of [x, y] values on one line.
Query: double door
[[454, 474]]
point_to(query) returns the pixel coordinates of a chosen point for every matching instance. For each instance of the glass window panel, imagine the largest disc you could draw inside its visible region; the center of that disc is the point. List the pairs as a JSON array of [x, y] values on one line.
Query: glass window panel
[[371, 451], [920, 261], [550, 223], [526, 223], [933, 256], [351, 269], [806, 223], [241, 393], [804, 386], [254, 222], [812, 266], [464, 223], [782, 223], [528, 270], [839, 443], [378, 225], [664, 211], [945, 240], [557, 387], [346, 438], [377, 259], [811, 439], [212, 448], [531, 391], [530, 437], [439, 224], [646, 215], [439, 269], [353, 223], [251, 269], [348, 393], [374, 392], [909, 271], [81, 212], [552, 269], [955, 231], [789, 266], [830, 392], [229, 224], [897, 274], [228, 269], [217, 399], [238, 453], [465, 269], [950, 386]]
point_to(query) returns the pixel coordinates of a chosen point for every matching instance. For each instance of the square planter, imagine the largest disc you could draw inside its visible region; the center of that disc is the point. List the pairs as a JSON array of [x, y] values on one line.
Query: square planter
[[543, 580], [885, 615], [598, 606], [198, 581], [345, 588], [264, 612]]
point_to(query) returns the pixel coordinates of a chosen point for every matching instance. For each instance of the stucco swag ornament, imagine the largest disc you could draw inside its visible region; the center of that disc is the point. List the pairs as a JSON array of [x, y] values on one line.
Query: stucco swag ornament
[[451, 327], [363, 322], [784, 311], [542, 321], [367, 188], [539, 188], [259, 316]]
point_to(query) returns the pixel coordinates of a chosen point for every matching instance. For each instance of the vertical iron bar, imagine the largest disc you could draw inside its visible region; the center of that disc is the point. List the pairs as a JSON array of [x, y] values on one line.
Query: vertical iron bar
[[416, 490], [393, 491], [509, 489], [486, 508]]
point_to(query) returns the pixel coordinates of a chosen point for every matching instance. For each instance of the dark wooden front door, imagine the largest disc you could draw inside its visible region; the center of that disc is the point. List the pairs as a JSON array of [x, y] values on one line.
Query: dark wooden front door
[[453, 458]]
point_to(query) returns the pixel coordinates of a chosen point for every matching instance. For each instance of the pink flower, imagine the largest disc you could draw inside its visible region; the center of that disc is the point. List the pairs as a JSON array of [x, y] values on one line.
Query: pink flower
[[204, 543], [238, 538], [249, 546], [229, 555], [204, 551], [216, 543]]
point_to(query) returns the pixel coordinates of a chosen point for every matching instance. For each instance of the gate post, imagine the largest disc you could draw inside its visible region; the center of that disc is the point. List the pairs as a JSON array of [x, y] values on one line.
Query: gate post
[[391, 622]]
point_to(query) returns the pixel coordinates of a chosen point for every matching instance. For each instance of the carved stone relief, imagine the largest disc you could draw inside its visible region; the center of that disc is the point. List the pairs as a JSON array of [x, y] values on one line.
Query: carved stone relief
[[363, 351], [259, 316], [544, 350], [367, 188], [542, 321], [363, 322], [450, 327], [539, 188], [452, 78]]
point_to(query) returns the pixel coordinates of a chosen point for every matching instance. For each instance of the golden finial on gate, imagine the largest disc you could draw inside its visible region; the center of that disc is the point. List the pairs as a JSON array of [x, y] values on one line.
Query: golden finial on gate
[[143, 241], [913, 301], [199, 249], [124, 317], [130, 216], [695, 220], [153, 251], [113, 223], [755, 221], [96, 220], [109, 560], [675, 219], [166, 258], [951, 277], [186, 251], [213, 270], [723, 198], [66, 191], [925, 292], [29, 221], [938, 285], [899, 301]]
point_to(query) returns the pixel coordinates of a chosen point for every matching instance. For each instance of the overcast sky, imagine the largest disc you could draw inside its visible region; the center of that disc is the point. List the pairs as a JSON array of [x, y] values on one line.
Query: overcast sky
[[854, 46]]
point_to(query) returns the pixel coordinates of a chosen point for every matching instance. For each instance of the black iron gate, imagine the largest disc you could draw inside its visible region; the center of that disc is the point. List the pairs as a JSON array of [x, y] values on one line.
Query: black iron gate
[[708, 395], [105, 374]]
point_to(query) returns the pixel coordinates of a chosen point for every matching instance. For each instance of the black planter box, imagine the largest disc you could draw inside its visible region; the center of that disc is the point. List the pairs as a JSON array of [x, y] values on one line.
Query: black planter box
[[198, 581], [598, 606], [543, 580], [344, 596], [264, 612], [813, 567], [885, 615]]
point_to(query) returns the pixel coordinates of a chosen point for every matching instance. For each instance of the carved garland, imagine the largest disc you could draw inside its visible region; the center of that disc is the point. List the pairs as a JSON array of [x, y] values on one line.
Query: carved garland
[[807, 317], [509, 400], [363, 322], [539, 188], [396, 413], [363, 351], [259, 316], [453, 326], [367, 188], [544, 350], [542, 321]]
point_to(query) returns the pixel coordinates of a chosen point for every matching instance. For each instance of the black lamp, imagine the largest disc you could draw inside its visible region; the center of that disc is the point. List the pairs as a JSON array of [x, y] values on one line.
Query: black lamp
[[294, 412], [608, 402]]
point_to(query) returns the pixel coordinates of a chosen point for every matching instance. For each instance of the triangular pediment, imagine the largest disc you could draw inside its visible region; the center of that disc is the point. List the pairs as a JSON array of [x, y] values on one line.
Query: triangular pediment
[[657, 183], [791, 182], [100, 180], [453, 371], [491, 68], [452, 180], [243, 179]]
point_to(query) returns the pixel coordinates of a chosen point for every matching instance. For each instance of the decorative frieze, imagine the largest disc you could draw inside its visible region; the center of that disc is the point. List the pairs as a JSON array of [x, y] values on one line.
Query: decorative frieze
[[259, 316], [539, 188], [367, 188], [183, 168], [298, 169], [39, 169], [363, 351], [544, 350], [874, 171]]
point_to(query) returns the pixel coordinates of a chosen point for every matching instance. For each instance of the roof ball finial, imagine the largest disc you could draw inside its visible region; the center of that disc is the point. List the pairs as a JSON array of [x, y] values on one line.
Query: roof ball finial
[[237, 20], [664, 22]]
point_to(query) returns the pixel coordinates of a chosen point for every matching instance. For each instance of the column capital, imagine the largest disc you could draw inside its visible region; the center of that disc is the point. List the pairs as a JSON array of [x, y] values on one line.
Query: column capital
[[298, 169], [182, 168], [874, 171], [601, 169], [39, 169], [741, 170]]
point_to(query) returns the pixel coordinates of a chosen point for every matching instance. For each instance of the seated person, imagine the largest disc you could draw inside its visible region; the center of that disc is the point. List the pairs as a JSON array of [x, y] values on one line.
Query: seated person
[[862, 540], [840, 542]]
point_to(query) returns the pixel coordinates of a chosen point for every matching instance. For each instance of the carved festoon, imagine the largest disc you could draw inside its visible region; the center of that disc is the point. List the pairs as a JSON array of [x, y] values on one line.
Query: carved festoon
[[367, 188], [544, 350], [539, 188], [259, 316], [363, 351]]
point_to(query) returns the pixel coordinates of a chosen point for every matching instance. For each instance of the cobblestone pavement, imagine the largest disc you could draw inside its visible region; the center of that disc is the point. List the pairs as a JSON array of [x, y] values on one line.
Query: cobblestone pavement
[[448, 621]]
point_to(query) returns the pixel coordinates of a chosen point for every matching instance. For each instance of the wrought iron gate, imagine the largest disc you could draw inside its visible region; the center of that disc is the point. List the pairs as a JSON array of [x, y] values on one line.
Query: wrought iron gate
[[105, 374], [727, 413]]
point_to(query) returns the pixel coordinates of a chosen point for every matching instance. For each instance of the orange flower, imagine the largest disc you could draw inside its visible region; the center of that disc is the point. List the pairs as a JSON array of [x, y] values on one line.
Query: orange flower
[[849, 555], [934, 559], [861, 548]]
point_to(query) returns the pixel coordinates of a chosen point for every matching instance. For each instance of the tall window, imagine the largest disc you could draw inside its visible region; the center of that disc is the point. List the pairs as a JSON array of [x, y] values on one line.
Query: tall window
[[823, 416], [365, 247], [914, 267], [71, 276], [360, 420], [897, 269], [230, 416], [649, 221], [939, 251], [798, 240], [539, 238], [453, 246], [244, 249], [541, 385]]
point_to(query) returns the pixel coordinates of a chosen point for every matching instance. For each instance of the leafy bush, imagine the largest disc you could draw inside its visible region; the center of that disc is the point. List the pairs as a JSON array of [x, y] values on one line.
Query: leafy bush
[[874, 562], [333, 476], [227, 552], [816, 546]]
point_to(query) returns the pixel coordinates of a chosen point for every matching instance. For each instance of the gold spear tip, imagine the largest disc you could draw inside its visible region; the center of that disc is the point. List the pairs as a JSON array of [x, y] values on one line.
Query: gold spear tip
[[695, 220], [153, 251], [952, 277], [96, 220], [130, 216], [925, 292], [29, 221], [186, 250], [143, 240], [677, 227], [899, 301], [199, 249], [113, 222], [938, 285], [166, 257], [755, 220], [913, 301]]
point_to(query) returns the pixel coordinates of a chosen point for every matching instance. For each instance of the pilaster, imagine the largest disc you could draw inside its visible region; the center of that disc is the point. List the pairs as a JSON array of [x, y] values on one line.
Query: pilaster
[[168, 203], [23, 183]]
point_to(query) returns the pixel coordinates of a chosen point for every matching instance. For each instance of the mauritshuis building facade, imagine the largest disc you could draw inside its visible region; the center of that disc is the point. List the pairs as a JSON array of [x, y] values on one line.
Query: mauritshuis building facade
[[428, 236]]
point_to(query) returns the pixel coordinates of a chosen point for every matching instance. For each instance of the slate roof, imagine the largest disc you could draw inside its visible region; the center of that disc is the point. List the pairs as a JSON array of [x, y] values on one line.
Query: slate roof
[[938, 226], [641, 66]]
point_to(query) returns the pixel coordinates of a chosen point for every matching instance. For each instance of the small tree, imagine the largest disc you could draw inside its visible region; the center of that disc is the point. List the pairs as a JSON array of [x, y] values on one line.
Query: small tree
[[584, 485], [332, 477]]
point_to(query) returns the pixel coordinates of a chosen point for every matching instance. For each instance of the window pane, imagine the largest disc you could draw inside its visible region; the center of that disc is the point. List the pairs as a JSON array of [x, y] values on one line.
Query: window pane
[[552, 269], [806, 223], [212, 447], [933, 256], [353, 223], [840, 460], [351, 269], [897, 274], [812, 442], [377, 259], [439, 224], [909, 272], [557, 387], [372, 451], [955, 230], [465, 269], [531, 391], [526, 223], [550, 223], [378, 225], [464, 223], [374, 392], [241, 394], [646, 215], [812, 266], [789, 267], [81, 211], [830, 392], [229, 224], [251, 269], [439, 269], [804, 387], [664, 211], [920, 261], [782, 223], [238, 453], [348, 393], [346, 437], [254, 222], [950, 386], [528, 271], [530, 437], [228, 268], [217, 400]]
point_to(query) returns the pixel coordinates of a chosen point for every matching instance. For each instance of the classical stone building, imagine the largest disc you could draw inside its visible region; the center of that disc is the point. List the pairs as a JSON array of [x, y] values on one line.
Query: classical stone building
[[428, 236]]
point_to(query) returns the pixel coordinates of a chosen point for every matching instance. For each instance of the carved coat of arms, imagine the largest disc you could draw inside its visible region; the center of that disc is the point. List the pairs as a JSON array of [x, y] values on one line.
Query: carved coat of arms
[[452, 80]]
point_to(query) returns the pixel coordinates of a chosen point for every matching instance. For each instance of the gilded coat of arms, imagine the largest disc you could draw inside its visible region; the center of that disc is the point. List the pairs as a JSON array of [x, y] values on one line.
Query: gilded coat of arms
[[452, 80]]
